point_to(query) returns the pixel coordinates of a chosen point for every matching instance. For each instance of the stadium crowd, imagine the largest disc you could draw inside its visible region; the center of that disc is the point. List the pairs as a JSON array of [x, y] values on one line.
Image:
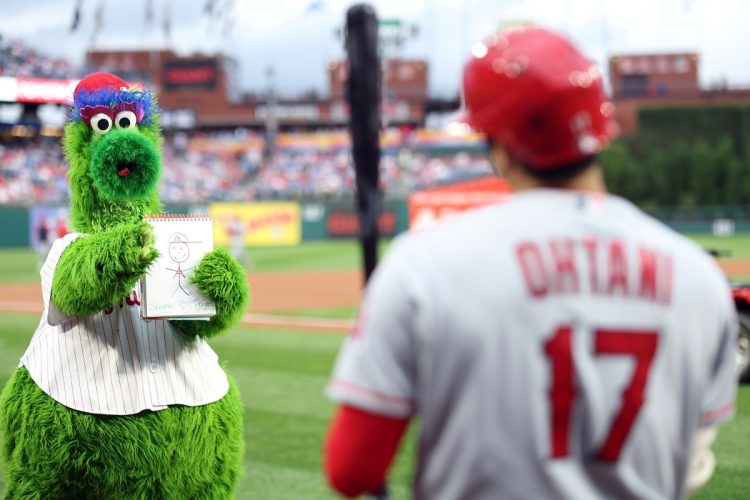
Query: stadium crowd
[[17, 59], [34, 169], [32, 172]]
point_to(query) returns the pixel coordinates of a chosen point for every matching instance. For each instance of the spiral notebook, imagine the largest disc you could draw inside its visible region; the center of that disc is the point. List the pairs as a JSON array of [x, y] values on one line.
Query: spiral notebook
[[166, 290]]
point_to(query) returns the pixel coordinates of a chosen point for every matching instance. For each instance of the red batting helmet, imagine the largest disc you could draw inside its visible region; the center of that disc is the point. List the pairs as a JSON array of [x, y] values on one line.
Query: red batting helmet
[[532, 92]]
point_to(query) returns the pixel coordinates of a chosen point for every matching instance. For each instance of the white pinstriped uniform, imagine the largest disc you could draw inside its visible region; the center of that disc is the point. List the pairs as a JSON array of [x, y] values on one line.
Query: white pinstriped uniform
[[114, 362]]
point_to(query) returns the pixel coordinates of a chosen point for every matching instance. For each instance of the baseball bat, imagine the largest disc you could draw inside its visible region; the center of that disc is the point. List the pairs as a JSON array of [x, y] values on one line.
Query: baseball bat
[[363, 95], [363, 92]]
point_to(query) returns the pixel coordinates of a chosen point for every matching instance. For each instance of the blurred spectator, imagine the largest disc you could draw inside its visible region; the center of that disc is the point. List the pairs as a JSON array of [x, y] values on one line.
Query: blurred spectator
[[236, 230], [62, 224], [43, 241]]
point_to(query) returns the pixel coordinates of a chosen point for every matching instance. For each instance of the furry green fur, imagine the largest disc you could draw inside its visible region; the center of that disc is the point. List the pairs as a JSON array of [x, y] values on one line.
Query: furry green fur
[[90, 210], [182, 452], [124, 148], [51, 451], [109, 260], [106, 266], [220, 277]]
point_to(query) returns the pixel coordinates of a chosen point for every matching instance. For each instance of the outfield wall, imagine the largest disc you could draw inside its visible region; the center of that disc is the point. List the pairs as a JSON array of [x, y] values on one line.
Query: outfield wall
[[14, 222], [291, 222], [279, 223]]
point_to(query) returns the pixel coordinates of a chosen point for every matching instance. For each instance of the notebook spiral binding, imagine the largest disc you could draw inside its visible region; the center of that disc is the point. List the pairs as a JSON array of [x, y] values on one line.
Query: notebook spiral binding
[[170, 217]]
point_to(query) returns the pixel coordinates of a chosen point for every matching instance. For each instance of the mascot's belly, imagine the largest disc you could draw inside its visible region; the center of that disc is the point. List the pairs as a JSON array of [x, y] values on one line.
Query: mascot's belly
[[51, 451], [116, 363]]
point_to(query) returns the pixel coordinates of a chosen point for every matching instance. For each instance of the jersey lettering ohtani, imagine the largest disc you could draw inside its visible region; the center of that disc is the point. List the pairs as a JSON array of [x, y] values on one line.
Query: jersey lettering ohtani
[[115, 362], [606, 271]]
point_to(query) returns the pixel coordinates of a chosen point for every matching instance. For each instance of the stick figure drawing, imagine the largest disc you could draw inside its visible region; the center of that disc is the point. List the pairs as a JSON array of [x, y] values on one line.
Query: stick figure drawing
[[179, 252], [168, 288]]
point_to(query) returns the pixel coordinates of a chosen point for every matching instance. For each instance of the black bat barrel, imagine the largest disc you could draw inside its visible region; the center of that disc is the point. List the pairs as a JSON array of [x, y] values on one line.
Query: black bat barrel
[[363, 95]]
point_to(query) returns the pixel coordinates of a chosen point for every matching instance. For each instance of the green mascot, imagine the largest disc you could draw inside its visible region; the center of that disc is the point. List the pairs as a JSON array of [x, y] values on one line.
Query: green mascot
[[105, 404]]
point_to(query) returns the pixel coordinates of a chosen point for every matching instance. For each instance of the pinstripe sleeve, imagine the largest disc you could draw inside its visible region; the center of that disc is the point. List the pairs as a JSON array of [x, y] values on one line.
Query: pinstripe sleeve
[[54, 315]]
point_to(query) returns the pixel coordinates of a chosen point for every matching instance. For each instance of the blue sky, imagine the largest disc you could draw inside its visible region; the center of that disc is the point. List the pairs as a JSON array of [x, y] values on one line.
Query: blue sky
[[298, 40]]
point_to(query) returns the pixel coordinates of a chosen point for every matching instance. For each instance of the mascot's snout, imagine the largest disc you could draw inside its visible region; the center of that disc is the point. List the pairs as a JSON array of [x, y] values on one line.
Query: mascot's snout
[[125, 164]]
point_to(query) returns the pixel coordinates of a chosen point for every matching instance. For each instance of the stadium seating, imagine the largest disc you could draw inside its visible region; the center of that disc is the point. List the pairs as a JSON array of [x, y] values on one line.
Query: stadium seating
[[224, 167], [19, 60]]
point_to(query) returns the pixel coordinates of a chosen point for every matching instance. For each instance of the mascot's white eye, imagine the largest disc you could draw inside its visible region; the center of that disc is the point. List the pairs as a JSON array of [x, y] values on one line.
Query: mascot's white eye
[[125, 119], [101, 123]]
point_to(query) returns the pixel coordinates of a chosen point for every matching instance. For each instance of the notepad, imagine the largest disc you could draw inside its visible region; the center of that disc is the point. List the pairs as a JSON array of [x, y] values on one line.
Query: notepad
[[166, 290]]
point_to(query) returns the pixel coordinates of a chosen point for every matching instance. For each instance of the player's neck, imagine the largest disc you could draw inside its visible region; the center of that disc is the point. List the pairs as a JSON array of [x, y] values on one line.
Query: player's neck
[[590, 179]]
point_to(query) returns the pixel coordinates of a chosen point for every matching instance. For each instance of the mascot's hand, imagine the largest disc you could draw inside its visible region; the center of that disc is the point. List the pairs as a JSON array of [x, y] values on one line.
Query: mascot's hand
[[222, 279], [136, 242], [97, 270]]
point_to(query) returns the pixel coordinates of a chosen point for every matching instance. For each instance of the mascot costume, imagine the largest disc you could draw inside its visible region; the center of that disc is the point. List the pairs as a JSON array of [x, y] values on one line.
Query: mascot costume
[[105, 404]]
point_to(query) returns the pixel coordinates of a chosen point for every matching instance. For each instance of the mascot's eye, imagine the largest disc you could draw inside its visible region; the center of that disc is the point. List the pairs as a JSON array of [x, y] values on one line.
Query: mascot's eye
[[125, 119], [101, 123]]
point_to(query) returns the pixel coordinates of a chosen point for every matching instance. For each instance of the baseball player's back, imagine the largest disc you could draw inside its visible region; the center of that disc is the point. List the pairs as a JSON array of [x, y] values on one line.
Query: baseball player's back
[[562, 345]]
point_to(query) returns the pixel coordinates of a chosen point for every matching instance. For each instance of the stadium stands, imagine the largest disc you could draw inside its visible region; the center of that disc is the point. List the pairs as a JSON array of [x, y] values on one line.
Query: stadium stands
[[227, 167], [32, 171], [19, 60]]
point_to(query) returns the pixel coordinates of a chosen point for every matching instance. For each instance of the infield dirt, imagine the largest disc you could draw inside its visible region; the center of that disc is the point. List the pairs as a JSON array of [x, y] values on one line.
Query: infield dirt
[[277, 293], [272, 292]]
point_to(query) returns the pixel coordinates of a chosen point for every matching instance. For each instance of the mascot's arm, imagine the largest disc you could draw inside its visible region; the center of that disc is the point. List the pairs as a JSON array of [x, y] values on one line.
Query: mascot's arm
[[97, 270], [222, 279]]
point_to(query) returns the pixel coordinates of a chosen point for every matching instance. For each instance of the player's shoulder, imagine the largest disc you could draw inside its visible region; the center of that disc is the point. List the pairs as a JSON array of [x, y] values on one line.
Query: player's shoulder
[[447, 243], [690, 257], [649, 228]]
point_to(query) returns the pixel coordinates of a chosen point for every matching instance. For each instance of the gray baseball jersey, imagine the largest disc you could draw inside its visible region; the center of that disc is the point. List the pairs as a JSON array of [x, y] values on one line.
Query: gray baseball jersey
[[561, 345]]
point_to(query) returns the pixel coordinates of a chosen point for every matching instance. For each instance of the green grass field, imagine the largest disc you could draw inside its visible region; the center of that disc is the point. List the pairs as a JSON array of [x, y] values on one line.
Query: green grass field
[[282, 374], [18, 265], [737, 246]]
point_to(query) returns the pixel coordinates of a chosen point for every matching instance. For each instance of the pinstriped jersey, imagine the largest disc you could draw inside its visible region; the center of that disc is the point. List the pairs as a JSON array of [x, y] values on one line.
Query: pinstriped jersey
[[561, 345], [114, 362]]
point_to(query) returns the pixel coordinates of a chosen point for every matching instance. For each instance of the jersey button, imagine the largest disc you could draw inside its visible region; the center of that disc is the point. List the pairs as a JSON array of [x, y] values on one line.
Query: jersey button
[[153, 368]]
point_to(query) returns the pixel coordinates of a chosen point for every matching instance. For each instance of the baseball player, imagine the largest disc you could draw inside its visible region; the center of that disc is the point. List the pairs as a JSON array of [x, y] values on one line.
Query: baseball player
[[560, 345]]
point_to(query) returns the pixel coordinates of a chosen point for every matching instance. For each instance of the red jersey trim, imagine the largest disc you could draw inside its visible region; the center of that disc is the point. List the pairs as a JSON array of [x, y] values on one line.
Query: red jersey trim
[[371, 394], [711, 416]]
